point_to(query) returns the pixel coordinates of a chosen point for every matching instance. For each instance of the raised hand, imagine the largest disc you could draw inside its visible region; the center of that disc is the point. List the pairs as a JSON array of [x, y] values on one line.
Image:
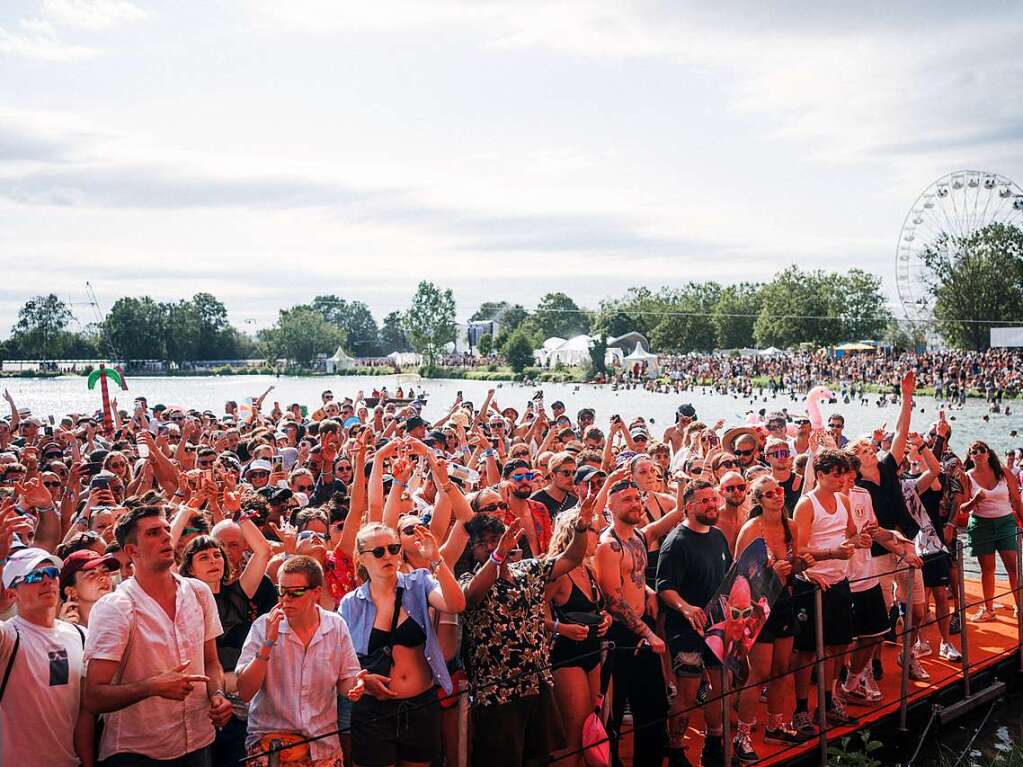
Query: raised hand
[[510, 538]]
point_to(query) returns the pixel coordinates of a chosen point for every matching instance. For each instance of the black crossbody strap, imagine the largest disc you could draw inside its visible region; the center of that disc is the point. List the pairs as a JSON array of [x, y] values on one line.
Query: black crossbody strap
[[10, 663]]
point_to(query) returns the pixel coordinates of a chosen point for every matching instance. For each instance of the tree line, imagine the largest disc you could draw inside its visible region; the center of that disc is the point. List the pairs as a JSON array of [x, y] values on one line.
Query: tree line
[[972, 280]]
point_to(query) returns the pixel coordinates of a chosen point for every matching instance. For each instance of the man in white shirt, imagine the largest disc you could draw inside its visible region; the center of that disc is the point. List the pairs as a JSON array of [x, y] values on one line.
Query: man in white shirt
[[295, 662], [42, 720], [156, 634]]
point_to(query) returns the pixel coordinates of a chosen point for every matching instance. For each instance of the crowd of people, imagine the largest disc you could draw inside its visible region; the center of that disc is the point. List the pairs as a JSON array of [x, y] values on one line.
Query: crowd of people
[[950, 376], [187, 588]]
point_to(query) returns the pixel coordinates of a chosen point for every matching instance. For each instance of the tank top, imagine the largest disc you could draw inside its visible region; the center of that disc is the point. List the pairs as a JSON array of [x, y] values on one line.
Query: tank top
[[996, 502], [860, 568], [828, 531]]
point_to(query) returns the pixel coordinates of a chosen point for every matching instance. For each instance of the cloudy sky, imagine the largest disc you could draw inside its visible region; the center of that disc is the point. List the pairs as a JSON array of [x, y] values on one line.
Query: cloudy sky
[[267, 151]]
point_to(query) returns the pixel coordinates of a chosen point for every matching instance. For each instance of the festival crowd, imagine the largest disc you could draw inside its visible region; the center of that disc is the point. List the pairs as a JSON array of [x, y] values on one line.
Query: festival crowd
[[189, 588]]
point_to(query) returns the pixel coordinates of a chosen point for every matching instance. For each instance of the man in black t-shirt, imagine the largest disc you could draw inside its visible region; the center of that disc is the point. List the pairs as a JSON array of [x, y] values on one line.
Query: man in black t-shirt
[[692, 564], [557, 495]]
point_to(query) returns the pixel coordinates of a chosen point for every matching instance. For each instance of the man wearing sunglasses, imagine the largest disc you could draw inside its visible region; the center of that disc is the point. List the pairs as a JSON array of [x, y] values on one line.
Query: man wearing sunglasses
[[41, 668], [731, 516], [157, 633], [557, 495], [533, 517], [779, 458]]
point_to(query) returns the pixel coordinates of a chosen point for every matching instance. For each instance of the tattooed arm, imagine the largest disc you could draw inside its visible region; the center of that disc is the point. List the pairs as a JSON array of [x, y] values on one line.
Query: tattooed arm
[[608, 565]]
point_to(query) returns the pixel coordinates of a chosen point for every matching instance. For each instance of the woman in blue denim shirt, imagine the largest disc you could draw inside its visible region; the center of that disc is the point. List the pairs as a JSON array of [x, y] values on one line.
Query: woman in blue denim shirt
[[398, 719]]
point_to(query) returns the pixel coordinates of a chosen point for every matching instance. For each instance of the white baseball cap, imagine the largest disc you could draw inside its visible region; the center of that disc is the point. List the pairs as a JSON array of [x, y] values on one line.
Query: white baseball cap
[[24, 561]]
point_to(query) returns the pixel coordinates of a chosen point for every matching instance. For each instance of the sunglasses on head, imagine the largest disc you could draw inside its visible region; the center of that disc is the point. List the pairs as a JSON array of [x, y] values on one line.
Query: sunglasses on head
[[491, 507], [294, 593], [527, 476], [37, 576], [410, 529], [378, 551]]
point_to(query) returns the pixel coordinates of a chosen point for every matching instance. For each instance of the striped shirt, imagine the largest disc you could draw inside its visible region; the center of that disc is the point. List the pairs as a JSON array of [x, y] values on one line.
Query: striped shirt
[[299, 692]]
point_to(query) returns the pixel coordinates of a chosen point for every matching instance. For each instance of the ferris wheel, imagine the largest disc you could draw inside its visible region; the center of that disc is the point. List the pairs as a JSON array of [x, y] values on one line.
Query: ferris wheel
[[946, 212]]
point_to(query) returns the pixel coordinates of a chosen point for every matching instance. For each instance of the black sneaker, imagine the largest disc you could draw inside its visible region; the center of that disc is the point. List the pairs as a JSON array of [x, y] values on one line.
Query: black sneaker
[[742, 749], [784, 735], [954, 626], [677, 758], [713, 752]]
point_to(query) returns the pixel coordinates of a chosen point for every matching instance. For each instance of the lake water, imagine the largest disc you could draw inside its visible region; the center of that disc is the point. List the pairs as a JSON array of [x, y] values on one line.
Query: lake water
[[58, 396]]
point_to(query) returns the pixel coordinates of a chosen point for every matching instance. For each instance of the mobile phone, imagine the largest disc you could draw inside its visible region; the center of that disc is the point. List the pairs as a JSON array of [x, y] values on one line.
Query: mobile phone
[[52, 422], [48, 430], [459, 394], [278, 463], [99, 483], [142, 449], [514, 555]]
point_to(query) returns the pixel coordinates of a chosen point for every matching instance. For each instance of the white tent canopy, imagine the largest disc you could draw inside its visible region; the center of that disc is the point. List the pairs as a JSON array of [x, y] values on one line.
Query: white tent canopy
[[340, 361], [639, 354]]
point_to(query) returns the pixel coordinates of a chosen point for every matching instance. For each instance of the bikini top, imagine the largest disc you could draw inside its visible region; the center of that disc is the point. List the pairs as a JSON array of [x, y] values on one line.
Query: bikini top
[[407, 634]]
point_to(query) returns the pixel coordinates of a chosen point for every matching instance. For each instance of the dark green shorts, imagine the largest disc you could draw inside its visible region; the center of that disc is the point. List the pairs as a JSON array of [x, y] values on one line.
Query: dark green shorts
[[987, 536]]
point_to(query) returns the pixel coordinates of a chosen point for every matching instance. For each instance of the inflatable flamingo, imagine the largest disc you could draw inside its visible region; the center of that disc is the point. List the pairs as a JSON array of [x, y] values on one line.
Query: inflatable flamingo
[[814, 398]]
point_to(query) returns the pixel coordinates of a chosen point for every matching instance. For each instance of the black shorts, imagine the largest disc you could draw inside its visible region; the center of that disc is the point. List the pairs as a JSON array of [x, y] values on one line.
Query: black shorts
[[781, 623], [870, 614], [385, 732], [937, 570], [837, 617], [517, 732]]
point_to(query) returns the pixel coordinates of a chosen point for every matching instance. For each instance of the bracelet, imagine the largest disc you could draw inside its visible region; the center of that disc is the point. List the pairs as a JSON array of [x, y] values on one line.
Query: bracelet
[[557, 628], [269, 643], [435, 565], [446, 487], [496, 559], [221, 693], [399, 483]]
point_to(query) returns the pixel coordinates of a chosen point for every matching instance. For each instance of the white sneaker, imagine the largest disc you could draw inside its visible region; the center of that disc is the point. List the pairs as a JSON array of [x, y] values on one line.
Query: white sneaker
[[870, 686], [921, 649], [949, 652], [917, 672]]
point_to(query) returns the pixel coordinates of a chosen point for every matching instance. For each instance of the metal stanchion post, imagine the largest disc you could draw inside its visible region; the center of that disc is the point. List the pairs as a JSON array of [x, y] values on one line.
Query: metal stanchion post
[[822, 714], [726, 720], [1018, 594], [907, 651], [463, 725], [964, 637]]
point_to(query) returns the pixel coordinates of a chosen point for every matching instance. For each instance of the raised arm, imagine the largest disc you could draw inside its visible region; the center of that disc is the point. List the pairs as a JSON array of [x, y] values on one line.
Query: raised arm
[[908, 388], [476, 589]]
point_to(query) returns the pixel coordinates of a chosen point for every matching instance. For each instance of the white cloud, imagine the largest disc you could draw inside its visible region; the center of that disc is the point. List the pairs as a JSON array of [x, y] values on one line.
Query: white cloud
[[92, 14], [37, 39]]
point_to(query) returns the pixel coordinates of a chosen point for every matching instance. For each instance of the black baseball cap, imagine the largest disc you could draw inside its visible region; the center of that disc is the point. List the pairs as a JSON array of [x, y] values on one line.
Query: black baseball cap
[[686, 410], [512, 466], [586, 473]]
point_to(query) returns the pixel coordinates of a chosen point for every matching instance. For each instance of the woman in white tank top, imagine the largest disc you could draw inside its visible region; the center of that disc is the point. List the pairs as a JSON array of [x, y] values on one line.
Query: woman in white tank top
[[995, 509]]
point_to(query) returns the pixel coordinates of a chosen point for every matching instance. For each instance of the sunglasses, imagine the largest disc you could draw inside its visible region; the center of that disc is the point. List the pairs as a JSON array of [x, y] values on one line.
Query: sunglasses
[[409, 529], [771, 494], [977, 450], [493, 507], [776, 425], [51, 484], [779, 454], [378, 551], [303, 488], [744, 452], [37, 576], [735, 488], [566, 472], [344, 469], [203, 463], [527, 476], [295, 593], [729, 464], [258, 474], [836, 425], [307, 535], [740, 613]]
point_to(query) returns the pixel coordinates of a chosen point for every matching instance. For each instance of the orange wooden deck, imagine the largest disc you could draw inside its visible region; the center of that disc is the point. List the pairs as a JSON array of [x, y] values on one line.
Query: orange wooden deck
[[989, 643]]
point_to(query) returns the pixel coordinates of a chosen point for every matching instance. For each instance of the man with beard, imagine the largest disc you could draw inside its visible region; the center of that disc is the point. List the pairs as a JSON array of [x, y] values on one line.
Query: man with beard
[[157, 633], [557, 495], [732, 517], [531, 515], [692, 565], [620, 565]]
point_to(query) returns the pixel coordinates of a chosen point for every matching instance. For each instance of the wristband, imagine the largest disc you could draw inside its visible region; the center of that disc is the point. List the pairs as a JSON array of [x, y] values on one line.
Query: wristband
[[399, 483], [435, 565], [269, 643], [496, 559], [221, 693], [557, 628]]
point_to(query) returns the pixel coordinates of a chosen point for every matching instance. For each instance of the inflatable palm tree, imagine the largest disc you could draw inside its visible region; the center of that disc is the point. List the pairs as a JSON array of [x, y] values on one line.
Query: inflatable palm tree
[[102, 374]]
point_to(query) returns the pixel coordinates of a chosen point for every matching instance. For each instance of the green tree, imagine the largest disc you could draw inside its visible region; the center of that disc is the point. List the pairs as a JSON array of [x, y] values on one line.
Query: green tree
[[355, 319], [430, 321], [687, 324], [518, 350], [860, 304], [215, 339], [975, 280], [41, 329], [135, 328], [183, 332], [558, 315], [598, 355], [734, 315], [486, 344], [640, 309], [797, 307], [299, 334], [509, 316], [392, 335]]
